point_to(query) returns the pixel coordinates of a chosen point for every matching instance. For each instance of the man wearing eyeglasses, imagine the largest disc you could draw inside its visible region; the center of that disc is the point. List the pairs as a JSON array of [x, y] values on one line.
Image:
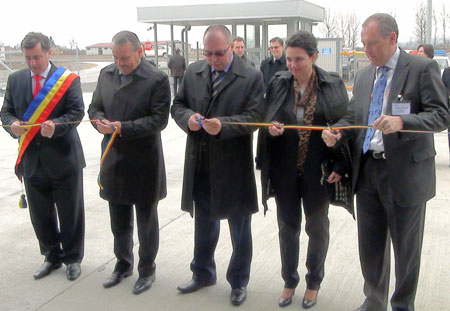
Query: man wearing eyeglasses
[[275, 62], [219, 180]]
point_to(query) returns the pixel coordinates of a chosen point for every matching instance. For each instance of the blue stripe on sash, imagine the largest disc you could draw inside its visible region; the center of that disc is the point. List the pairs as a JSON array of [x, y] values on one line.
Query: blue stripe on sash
[[48, 85]]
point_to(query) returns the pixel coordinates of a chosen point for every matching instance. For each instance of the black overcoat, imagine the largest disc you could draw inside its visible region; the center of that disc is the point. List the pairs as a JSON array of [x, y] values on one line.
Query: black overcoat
[[230, 154], [133, 171]]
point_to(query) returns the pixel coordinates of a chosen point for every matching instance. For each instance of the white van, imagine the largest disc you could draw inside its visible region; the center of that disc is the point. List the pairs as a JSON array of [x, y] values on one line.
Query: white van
[[162, 51]]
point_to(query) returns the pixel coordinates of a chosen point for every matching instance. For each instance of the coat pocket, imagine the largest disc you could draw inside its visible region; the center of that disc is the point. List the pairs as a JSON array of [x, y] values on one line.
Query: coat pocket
[[423, 155]]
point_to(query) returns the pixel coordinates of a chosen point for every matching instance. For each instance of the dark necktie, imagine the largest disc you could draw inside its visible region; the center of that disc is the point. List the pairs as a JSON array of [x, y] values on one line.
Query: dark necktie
[[37, 87], [376, 106], [216, 80]]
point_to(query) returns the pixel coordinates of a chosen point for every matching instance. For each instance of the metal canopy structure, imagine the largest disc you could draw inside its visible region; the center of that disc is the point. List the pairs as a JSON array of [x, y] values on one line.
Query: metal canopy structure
[[251, 20]]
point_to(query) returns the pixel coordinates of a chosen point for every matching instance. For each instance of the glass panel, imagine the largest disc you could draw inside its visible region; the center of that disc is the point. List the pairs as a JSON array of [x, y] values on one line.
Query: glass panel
[[250, 36], [277, 31], [240, 31]]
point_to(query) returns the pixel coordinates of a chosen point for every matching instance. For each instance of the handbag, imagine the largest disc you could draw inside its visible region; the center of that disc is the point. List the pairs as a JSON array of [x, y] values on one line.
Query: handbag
[[340, 192]]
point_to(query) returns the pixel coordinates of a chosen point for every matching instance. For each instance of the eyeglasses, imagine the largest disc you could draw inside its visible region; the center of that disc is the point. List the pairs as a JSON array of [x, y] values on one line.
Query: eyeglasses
[[218, 53], [275, 47]]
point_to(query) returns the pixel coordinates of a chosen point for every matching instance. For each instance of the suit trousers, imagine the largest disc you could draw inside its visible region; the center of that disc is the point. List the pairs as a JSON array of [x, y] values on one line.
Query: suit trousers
[[207, 231], [289, 215], [380, 221], [122, 220], [176, 84], [51, 199]]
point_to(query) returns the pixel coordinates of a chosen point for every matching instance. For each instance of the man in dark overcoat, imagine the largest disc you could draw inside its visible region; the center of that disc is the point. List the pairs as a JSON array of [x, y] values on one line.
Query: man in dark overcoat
[[177, 66], [133, 96], [219, 181]]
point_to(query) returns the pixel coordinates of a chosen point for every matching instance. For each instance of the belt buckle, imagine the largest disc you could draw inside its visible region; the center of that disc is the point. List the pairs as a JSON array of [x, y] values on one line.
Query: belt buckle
[[380, 155]]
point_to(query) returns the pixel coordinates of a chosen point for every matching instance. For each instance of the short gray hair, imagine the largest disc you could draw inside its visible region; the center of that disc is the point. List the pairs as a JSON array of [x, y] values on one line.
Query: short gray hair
[[33, 38], [125, 36], [386, 23]]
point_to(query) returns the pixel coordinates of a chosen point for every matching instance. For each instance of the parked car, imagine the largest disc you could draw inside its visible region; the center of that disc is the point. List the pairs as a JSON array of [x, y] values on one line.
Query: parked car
[[162, 51], [443, 62], [348, 68]]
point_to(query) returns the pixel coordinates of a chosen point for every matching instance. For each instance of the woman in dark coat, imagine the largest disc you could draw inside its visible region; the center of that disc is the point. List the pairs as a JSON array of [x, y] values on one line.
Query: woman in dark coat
[[291, 160]]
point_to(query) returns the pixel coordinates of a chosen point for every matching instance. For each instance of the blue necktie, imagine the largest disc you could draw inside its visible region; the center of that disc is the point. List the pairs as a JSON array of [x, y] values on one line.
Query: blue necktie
[[376, 105]]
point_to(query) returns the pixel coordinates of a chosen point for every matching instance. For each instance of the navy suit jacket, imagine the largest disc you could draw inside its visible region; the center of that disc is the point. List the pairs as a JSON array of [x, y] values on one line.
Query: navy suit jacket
[[61, 154]]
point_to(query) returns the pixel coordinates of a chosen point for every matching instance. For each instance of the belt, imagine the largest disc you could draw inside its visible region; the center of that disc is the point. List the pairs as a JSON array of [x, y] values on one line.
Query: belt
[[378, 155]]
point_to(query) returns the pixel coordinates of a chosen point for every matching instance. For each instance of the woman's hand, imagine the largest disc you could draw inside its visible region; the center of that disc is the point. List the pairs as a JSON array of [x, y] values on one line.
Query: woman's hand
[[334, 177]]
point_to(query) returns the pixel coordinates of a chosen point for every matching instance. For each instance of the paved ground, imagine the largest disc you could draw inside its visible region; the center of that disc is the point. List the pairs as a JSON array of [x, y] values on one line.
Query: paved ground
[[341, 288]]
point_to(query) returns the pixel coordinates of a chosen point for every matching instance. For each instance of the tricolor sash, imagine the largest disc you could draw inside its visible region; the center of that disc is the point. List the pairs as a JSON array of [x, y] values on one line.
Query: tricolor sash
[[43, 104]]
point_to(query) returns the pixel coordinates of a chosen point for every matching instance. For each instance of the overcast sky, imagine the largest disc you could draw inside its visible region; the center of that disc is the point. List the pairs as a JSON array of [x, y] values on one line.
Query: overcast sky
[[94, 21]]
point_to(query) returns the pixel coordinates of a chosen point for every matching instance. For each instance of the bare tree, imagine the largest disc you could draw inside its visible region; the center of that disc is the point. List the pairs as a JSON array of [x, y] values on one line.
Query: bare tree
[[444, 17], [435, 24], [329, 25], [354, 24], [342, 29], [73, 43], [421, 23]]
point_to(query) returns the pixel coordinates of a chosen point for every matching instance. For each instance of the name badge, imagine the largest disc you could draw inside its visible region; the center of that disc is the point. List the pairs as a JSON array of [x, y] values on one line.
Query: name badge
[[401, 107]]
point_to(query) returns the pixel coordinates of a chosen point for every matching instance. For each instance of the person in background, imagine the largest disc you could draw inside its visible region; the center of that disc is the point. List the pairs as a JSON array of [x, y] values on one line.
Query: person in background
[[177, 66], [291, 161], [275, 62], [52, 164], [133, 97], [426, 50], [239, 48]]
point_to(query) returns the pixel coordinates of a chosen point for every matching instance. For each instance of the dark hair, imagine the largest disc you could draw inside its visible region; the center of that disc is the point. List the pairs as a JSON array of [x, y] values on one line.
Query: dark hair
[[304, 40], [238, 39], [280, 41], [386, 24], [220, 28], [125, 36], [33, 38], [428, 49]]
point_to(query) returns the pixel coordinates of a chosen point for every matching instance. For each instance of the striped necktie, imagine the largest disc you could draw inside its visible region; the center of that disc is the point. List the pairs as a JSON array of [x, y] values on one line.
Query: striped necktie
[[376, 105], [217, 79]]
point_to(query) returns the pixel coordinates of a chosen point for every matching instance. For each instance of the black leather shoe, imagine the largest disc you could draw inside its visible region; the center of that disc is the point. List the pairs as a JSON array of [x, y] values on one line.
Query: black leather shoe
[[73, 271], [116, 277], [193, 286], [143, 284], [284, 302], [365, 307], [238, 296], [46, 268], [306, 304]]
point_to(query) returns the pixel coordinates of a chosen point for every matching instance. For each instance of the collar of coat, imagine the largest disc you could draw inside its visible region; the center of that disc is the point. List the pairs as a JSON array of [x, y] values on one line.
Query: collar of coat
[[281, 60], [143, 69], [237, 67], [322, 75]]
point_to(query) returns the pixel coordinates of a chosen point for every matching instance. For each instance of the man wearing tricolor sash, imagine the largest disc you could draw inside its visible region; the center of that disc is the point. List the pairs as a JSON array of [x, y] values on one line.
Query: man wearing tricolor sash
[[42, 106]]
